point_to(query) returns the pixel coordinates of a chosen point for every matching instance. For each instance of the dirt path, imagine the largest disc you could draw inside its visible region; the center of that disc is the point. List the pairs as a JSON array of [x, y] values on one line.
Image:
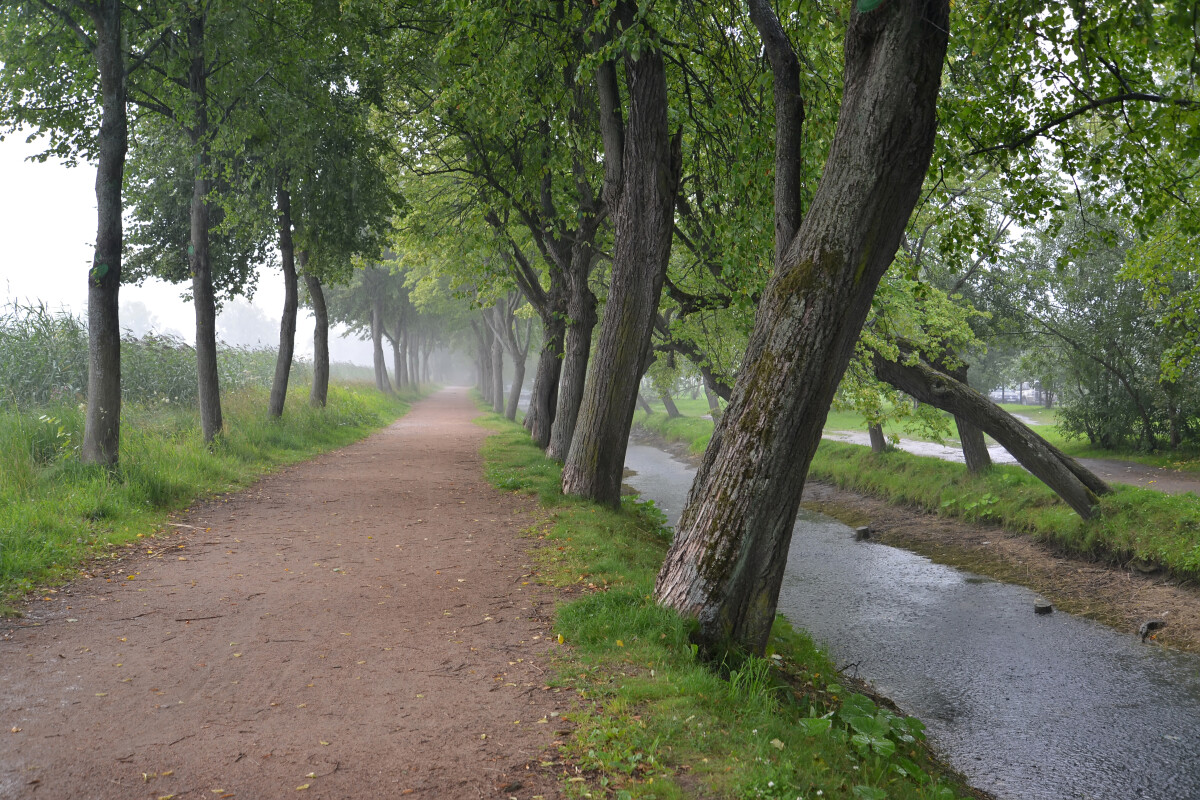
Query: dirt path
[[361, 618]]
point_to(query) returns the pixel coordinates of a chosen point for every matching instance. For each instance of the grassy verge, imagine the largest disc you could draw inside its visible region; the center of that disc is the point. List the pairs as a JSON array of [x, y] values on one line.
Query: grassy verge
[[55, 513], [655, 723], [1135, 523]]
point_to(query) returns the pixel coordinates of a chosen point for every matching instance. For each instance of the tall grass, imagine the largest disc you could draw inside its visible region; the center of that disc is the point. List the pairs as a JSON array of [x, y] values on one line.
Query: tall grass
[[56, 512], [44, 360]]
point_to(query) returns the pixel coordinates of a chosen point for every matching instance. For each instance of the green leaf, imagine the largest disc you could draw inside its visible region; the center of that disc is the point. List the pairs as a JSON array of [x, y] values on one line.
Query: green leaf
[[865, 6]]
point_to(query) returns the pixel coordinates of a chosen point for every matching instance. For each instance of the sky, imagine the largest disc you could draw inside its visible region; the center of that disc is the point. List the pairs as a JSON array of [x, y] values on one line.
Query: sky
[[48, 229]]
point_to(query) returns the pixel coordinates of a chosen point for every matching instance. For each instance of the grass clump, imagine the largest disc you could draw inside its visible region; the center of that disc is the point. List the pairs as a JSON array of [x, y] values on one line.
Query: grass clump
[[1134, 523], [56, 512], [654, 721]]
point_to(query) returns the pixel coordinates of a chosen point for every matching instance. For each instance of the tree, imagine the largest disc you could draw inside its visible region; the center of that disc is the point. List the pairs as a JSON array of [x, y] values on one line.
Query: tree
[[726, 562], [54, 56], [641, 163]]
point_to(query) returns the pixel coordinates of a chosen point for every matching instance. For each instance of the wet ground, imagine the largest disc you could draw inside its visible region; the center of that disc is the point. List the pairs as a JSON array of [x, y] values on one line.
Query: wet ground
[[1026, 706], [1161, 479]]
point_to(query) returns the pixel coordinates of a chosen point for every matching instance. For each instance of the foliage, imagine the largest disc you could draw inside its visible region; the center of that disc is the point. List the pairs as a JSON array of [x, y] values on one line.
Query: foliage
[[55, 512], [44, 359], [650, 712]]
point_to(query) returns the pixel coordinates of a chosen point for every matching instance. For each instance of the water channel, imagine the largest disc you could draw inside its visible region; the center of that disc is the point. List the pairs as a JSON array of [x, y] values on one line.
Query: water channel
[[1031, 707]]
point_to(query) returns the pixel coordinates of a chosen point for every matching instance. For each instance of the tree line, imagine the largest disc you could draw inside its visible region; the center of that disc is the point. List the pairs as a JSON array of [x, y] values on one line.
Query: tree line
[[807, 203]]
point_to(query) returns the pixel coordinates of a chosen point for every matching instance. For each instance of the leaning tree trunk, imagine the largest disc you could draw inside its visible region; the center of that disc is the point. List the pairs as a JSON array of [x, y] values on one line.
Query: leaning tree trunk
[[577, 348], [287, 323], [102, 429], [381, 375], [497, 376], [669, 405], [725, 565], [319, 394], [1077, 486], [642, 219], [203, 297], [714, 405], [879, 443], [641, 401], [543, 397]]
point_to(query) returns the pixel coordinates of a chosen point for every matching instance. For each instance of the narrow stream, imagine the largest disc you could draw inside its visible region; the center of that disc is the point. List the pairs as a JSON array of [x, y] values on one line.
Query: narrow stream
[[1027, 707]]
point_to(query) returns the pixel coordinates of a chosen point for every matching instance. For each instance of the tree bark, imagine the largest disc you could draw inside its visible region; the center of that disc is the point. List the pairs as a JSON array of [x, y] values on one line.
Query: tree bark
[[203, 297], [102, 428], [577, 348], [497, 375], [414, 364], [726, 563], [319, 394], [543, 398], [400, 353], [1077, 486], [879, 442], [287, 323], [641, 401], [714, 404], [669, 405], [974, 446], [381, 374], [642, 205]]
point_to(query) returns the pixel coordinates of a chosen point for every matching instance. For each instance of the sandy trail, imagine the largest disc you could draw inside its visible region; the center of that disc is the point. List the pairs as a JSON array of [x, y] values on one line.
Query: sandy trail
[[364, 617]]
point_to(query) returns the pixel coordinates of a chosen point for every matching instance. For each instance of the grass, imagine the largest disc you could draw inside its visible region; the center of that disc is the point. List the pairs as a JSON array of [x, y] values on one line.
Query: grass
[[56, 513], [1134, 523], [654, 722]]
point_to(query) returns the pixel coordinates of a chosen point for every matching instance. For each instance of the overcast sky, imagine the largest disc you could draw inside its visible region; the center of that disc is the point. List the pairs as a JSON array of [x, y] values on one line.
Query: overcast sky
[[48, 228]]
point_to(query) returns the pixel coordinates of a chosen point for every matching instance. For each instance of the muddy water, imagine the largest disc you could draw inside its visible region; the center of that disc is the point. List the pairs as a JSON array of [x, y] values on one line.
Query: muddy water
[[1030, 707]]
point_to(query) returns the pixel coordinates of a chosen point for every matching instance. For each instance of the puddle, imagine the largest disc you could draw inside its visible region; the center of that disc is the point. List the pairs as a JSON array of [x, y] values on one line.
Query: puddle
[[1032, 707]]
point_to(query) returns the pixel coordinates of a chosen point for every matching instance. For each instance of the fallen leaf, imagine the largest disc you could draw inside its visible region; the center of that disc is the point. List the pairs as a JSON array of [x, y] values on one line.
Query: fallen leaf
[[302, 787], [325, 743], [101, 694], [778, 745], [14, 729]]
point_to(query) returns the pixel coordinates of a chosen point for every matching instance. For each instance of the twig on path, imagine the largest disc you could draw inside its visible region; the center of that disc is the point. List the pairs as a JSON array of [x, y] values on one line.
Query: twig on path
[[197, 619], [180, 739], [181, 525]]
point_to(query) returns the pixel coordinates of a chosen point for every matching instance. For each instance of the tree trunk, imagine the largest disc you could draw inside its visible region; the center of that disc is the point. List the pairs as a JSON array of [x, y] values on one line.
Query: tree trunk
[[669, 404], [879, 442], [483, 336], [1077, 486], [102, 429], [399, 362], [726, 563], [400, 353], [414, 371], [714, 404], [287, 323], [543, 397], [514, 393], [203, 297], [642, 205], [381, 375], [581, 310], [641, 401], [974, 447], [497, 376], [319, 394]]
